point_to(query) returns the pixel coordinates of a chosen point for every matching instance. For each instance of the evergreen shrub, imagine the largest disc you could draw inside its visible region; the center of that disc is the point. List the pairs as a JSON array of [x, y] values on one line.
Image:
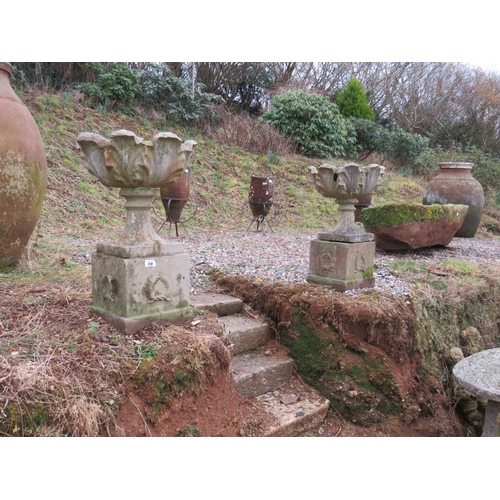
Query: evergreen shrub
[[312, 122], [116, 83], [352, 102]]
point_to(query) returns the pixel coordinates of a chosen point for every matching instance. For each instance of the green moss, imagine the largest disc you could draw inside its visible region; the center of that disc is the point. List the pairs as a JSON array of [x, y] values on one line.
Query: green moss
[[400, 213], [307, 349], [368, 273], [26, 421], [354, 382]]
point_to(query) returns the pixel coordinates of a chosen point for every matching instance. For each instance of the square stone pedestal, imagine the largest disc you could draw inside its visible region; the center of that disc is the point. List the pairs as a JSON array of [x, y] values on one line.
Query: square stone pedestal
[[135, 285], [343, 266]]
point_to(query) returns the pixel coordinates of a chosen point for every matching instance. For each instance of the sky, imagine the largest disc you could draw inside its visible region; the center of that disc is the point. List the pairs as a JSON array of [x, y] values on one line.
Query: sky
[[257, 31], [488, 65]]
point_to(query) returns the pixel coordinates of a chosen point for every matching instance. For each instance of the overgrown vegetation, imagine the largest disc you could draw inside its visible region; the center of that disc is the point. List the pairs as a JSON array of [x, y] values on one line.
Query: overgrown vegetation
[[406, 113]]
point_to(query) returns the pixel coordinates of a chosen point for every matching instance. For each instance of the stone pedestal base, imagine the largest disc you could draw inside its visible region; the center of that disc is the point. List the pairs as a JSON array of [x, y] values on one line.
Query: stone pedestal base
[[130, 289], [343, 266]]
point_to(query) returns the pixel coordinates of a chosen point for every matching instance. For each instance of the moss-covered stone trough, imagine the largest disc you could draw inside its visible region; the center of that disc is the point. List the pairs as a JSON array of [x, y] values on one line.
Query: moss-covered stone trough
[[408, 226]]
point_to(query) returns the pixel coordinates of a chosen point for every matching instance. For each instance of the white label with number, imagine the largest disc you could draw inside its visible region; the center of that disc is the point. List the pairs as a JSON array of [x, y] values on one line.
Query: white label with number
[[150, 263]]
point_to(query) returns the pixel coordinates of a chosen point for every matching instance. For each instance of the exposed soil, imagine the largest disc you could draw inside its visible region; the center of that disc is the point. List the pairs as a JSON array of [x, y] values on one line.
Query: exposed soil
[[213, 408]]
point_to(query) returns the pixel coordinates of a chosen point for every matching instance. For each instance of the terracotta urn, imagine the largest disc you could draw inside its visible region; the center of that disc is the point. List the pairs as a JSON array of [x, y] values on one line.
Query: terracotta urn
[[23, 172], [454, 184]]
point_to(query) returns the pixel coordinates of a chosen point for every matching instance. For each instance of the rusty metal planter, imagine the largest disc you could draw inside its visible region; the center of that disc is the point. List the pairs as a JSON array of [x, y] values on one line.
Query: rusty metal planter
[[175, 195], [261, 196]]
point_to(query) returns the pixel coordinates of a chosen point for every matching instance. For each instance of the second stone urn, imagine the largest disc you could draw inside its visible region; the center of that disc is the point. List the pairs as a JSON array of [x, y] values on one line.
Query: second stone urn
[[140, 277], [343, 257]]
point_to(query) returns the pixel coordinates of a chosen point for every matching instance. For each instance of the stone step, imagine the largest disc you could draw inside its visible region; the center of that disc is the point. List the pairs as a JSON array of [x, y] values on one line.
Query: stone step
[[245, 333], [282, 404], [222, 305], [289, 410], [260, 371]]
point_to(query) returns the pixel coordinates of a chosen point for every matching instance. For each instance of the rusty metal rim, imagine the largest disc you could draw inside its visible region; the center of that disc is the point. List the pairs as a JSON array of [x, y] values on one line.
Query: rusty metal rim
[[173, 199]]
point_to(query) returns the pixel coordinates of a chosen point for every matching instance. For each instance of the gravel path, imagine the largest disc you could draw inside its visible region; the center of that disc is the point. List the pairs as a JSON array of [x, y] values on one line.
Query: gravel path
[[284, 257]]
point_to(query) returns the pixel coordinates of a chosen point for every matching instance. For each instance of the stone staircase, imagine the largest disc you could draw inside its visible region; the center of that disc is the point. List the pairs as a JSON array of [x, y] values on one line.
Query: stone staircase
[[263, 372]]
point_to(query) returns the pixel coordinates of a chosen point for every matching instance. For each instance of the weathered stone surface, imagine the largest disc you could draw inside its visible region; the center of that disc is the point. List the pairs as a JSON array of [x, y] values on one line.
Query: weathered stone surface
[[217, 303], [347, 185], [255, 373], [128, 292], [128, 161], [348, 181], [471, 339], [307, 411], [141, 277], [480, 374], [245, 333], [340, 265], [282, 404], [408, 226]]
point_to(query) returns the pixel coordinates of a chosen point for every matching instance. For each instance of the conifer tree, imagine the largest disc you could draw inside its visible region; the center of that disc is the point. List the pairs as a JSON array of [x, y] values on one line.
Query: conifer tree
[[352, 102]]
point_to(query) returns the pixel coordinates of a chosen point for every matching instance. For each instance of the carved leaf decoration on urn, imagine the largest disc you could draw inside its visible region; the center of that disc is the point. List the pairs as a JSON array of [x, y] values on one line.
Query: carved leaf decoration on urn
[[127, 156]]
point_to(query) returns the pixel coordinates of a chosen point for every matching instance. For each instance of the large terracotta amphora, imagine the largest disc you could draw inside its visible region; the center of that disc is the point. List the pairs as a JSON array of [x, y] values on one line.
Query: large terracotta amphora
[[261, 195], [454, 184], [23, 172]]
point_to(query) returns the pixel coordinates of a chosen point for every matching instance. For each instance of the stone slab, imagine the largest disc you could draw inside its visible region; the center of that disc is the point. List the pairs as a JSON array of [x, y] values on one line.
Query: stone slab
[[255, 373], [245, 333], [129, 326], [217, 303], [480, 374], [141, 251], [290, 419], [346, 237], [341, 285]]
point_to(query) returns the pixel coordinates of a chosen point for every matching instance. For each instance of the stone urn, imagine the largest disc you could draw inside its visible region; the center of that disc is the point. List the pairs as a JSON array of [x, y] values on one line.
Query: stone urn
[[347, 184], [140, 277], [344, 257], [23, 172], [454, 184], [138, 167]]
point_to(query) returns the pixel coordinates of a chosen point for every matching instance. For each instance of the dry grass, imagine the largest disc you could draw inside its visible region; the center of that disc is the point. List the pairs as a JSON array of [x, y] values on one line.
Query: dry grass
[[248, 133], [63, 371]]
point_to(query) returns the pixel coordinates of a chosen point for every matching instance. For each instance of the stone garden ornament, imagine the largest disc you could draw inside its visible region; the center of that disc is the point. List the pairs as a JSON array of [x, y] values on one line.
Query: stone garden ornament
[[343, 257], [140, 277]]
